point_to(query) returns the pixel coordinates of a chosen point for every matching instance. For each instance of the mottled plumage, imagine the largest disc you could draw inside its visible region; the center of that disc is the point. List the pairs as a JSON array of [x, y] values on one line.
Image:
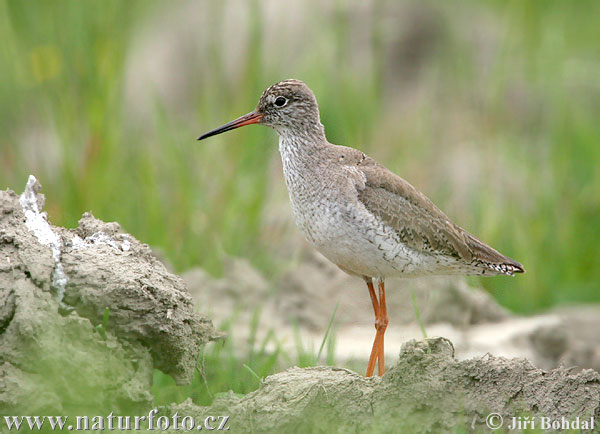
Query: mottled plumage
[[358, 214]]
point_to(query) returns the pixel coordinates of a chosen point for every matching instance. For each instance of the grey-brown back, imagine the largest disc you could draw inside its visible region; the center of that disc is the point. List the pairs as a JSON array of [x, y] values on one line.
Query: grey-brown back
[[420, 224]]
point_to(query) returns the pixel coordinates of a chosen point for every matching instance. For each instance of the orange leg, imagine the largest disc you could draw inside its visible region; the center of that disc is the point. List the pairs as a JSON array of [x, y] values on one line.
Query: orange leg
[[381, 322], [375, 350], [382, 326]]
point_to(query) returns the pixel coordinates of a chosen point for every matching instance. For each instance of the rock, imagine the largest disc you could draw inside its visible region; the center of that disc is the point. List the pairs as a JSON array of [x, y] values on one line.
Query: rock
[[428, 390], [86, 315]]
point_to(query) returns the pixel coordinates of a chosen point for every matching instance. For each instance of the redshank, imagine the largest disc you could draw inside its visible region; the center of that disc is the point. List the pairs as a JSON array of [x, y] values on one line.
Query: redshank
[[362, 217]]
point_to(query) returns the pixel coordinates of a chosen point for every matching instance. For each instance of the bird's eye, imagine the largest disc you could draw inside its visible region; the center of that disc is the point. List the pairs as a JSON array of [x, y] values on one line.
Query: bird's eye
[[280, 101]]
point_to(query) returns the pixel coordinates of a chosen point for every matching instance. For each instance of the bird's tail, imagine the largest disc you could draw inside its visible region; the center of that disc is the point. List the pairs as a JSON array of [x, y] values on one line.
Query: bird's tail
[[492, 259]]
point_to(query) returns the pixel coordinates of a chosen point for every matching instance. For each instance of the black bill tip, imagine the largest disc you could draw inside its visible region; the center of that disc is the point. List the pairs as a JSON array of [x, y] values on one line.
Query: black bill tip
[[248, 119]]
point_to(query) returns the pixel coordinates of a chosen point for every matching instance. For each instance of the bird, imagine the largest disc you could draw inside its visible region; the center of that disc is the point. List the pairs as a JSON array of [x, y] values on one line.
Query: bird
[[364, 218]]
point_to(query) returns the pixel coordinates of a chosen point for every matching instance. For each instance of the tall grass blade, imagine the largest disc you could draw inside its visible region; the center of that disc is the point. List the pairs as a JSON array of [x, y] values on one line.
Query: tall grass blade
[[417, 314], [327, 331], [252, 372]]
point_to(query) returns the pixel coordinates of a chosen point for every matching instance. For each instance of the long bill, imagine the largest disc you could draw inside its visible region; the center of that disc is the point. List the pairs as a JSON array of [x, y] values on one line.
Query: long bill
[[248, 119]]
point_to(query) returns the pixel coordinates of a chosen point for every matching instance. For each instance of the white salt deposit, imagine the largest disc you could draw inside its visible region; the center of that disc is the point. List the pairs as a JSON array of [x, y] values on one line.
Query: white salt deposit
[[37, 223], [101, 238]]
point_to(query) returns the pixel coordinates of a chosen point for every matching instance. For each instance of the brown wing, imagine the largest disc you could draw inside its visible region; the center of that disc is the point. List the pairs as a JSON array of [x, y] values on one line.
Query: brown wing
[[418, 222]]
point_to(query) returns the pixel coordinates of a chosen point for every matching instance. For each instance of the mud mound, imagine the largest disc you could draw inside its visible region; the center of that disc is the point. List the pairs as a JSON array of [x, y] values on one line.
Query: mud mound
[[428, 390], [86, 314]]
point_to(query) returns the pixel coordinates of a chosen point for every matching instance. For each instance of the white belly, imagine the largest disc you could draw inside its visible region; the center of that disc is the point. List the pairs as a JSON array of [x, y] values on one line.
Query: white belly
[[355, 240], [327, 211]]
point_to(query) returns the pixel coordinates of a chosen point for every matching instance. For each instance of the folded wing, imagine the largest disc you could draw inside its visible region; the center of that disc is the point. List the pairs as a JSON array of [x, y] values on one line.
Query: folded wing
[[420, 224]]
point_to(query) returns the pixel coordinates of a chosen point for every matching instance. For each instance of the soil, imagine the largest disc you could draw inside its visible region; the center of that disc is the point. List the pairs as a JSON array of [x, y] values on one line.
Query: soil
[[86, 314], [428, 390]]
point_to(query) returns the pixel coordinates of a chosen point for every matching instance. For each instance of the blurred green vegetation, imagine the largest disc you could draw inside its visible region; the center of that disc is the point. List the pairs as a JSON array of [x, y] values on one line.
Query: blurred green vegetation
[[63, 118], [509, 89]]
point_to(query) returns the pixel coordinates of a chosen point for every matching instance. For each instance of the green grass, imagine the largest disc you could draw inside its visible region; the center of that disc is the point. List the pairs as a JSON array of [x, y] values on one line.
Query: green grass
[[224, 367], [418, 314], [517, 90]]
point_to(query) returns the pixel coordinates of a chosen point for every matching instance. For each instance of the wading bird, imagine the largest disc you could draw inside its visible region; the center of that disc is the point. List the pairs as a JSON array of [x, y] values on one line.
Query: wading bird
[[362, 217]]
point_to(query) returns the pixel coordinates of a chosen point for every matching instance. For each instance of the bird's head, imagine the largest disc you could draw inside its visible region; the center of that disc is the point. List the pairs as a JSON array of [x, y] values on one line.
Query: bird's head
[[288, 107]]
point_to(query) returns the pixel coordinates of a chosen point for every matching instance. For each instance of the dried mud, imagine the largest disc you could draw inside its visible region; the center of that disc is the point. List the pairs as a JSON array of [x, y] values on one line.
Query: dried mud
[[428, 390], [86, 314]]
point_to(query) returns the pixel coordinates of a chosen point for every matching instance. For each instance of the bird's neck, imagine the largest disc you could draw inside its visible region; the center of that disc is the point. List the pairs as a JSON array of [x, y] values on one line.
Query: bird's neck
[[302, 158], [301, 142], [302, 155]]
